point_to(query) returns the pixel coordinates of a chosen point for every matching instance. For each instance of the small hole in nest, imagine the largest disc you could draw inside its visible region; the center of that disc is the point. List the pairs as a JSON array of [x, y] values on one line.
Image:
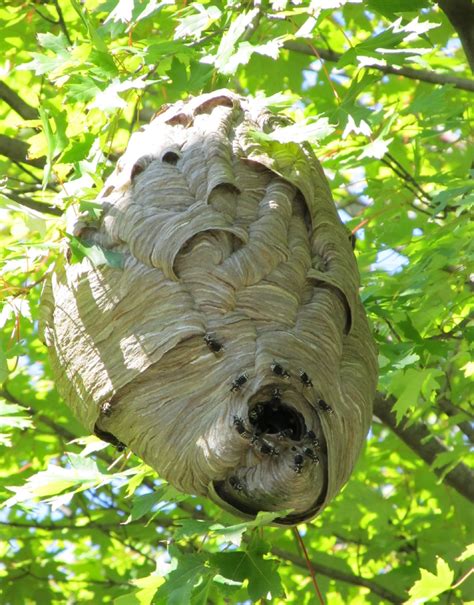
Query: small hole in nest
[[274, 418], [179, 119], [208, 105], [108, 191], [140, 166], [170, 157]]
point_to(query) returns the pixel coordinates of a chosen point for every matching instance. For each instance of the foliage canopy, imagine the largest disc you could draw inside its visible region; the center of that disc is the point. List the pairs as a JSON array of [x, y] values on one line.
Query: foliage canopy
[[382, 91]]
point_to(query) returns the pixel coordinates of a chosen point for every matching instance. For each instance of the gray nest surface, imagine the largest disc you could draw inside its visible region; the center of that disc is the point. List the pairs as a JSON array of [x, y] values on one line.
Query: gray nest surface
[[228, 348]]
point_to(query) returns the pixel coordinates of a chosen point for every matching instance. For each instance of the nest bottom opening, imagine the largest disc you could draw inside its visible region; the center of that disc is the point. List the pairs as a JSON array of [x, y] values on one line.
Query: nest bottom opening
[[276, 418]]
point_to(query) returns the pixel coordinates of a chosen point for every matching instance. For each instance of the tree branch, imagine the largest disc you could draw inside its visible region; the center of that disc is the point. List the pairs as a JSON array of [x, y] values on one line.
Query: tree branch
[[422, 75], [17, 151], [336, 574], [34, 205], [461, 15], [16, 103], [61, 21], [418, 437], [451, 410], [70, 527]]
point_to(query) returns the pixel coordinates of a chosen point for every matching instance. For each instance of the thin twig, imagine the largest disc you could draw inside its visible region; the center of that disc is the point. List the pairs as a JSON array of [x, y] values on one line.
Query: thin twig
[[406, 181], [61, 21], [48, 19], [409, 177], [18, 105], [337, 574], [432, 77], [29, 173], [17, 151], [308, 564], [32, 204], [451, 410]]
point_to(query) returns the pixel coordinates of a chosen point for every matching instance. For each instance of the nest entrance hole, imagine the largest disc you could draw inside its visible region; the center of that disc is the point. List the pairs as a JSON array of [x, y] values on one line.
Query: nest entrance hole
[[279, 418]]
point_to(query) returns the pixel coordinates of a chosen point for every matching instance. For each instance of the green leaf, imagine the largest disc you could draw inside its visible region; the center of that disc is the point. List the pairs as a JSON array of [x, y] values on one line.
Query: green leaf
[[42, 64], [200, 592], [96, 254], [381, 44], [12, 416], [225, 52], [145, 593], [407, 360], [82, 474], [389, 9], [87, 22], [229, 62], [194, 23], [109, 98], [311, 131], [408, 385], [431, 585], [375, 149], [142, 505], [162, 497], [467, 553], [193, 527], [122, 12], [189, 574], [78, 148], [48, 133], [262, 574], [3, 367], [165, 48], [57, 44], [234, 533]]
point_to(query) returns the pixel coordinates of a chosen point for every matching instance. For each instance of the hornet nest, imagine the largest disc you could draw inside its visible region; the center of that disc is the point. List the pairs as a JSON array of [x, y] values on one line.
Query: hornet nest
[[228, 348]]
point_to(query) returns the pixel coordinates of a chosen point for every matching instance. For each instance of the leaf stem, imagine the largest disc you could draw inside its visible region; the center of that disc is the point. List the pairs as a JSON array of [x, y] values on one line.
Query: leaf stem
[[308, 564]]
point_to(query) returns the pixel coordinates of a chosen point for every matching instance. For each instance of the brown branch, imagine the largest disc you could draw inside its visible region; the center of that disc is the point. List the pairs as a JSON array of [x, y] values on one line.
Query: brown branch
[[336, 574], [456, 332], [61, 21], [422, 75], [17, 151], [419, 438], [451, 410], [461, 15], [407, 176], [24, 169], [34, 205], [16, 103], [56, 580], [60, 526]]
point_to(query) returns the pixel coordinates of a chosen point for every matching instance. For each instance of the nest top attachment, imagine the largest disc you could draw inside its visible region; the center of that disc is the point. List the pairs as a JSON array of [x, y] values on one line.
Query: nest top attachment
[[223, 339]]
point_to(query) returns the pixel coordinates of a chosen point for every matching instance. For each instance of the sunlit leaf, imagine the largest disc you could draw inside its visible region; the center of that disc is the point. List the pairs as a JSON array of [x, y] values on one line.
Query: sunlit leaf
[[431, 585]]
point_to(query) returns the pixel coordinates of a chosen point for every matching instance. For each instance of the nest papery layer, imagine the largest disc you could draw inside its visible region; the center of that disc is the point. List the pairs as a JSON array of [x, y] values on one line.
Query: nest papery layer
[[229, 349]]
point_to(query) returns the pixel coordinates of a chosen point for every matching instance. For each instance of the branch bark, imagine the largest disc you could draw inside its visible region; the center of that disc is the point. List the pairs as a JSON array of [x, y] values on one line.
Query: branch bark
[[422, 75], [17, 151], [461, 15], [418, 438], [16, 103], [451, 410], [342, 576], [33, 204]]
